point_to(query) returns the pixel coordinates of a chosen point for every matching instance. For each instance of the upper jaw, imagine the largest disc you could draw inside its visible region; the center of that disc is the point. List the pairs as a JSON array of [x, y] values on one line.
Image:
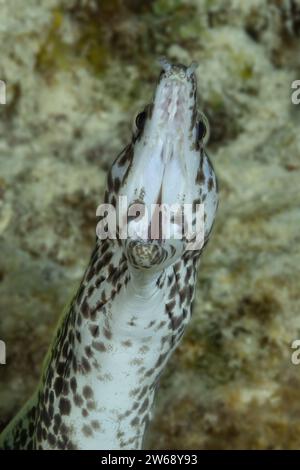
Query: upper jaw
[[163, 168], [173, 108]]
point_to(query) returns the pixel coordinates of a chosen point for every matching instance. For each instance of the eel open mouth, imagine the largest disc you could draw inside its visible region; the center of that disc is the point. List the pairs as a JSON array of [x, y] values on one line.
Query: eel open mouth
[[167, 169]]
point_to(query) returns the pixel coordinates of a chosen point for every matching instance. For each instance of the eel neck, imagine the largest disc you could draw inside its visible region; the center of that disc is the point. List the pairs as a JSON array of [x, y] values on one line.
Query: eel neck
[[129, 354], [111, 364]]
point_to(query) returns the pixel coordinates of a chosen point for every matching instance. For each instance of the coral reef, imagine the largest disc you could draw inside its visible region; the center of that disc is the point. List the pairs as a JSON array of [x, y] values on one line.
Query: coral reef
[[76, 71]]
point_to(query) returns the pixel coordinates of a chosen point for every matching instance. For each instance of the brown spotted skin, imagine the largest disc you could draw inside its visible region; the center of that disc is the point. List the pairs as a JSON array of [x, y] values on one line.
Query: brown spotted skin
[[45, 425], [126, 319]]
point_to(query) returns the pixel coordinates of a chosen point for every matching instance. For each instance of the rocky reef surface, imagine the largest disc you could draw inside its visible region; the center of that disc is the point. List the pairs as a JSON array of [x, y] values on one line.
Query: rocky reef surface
[[76, 73]]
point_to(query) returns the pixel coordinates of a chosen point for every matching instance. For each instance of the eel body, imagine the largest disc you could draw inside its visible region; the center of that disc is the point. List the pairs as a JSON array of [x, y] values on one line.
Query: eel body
[[135, 299]]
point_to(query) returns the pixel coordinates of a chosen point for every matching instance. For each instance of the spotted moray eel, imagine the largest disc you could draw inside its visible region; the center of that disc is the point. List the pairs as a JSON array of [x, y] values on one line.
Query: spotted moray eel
[[135, 299]]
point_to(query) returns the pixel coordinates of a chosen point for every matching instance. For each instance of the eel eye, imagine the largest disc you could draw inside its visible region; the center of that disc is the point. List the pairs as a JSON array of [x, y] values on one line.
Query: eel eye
[[202, 131], [140, 120]]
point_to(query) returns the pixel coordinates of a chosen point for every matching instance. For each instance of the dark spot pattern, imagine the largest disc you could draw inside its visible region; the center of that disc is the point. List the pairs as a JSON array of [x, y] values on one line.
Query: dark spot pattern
[[85, 335]]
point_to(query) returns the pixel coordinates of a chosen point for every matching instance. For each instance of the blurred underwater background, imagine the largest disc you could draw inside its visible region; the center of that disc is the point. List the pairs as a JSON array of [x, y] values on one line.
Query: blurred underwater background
[[77, 72]]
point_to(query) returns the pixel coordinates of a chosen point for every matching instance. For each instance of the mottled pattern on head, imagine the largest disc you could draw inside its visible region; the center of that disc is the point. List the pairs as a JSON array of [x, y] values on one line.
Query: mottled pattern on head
[[135, 299], [165, 164]]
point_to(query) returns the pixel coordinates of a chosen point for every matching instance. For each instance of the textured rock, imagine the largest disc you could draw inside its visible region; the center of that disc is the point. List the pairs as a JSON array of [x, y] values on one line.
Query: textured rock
[[76, 72]]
